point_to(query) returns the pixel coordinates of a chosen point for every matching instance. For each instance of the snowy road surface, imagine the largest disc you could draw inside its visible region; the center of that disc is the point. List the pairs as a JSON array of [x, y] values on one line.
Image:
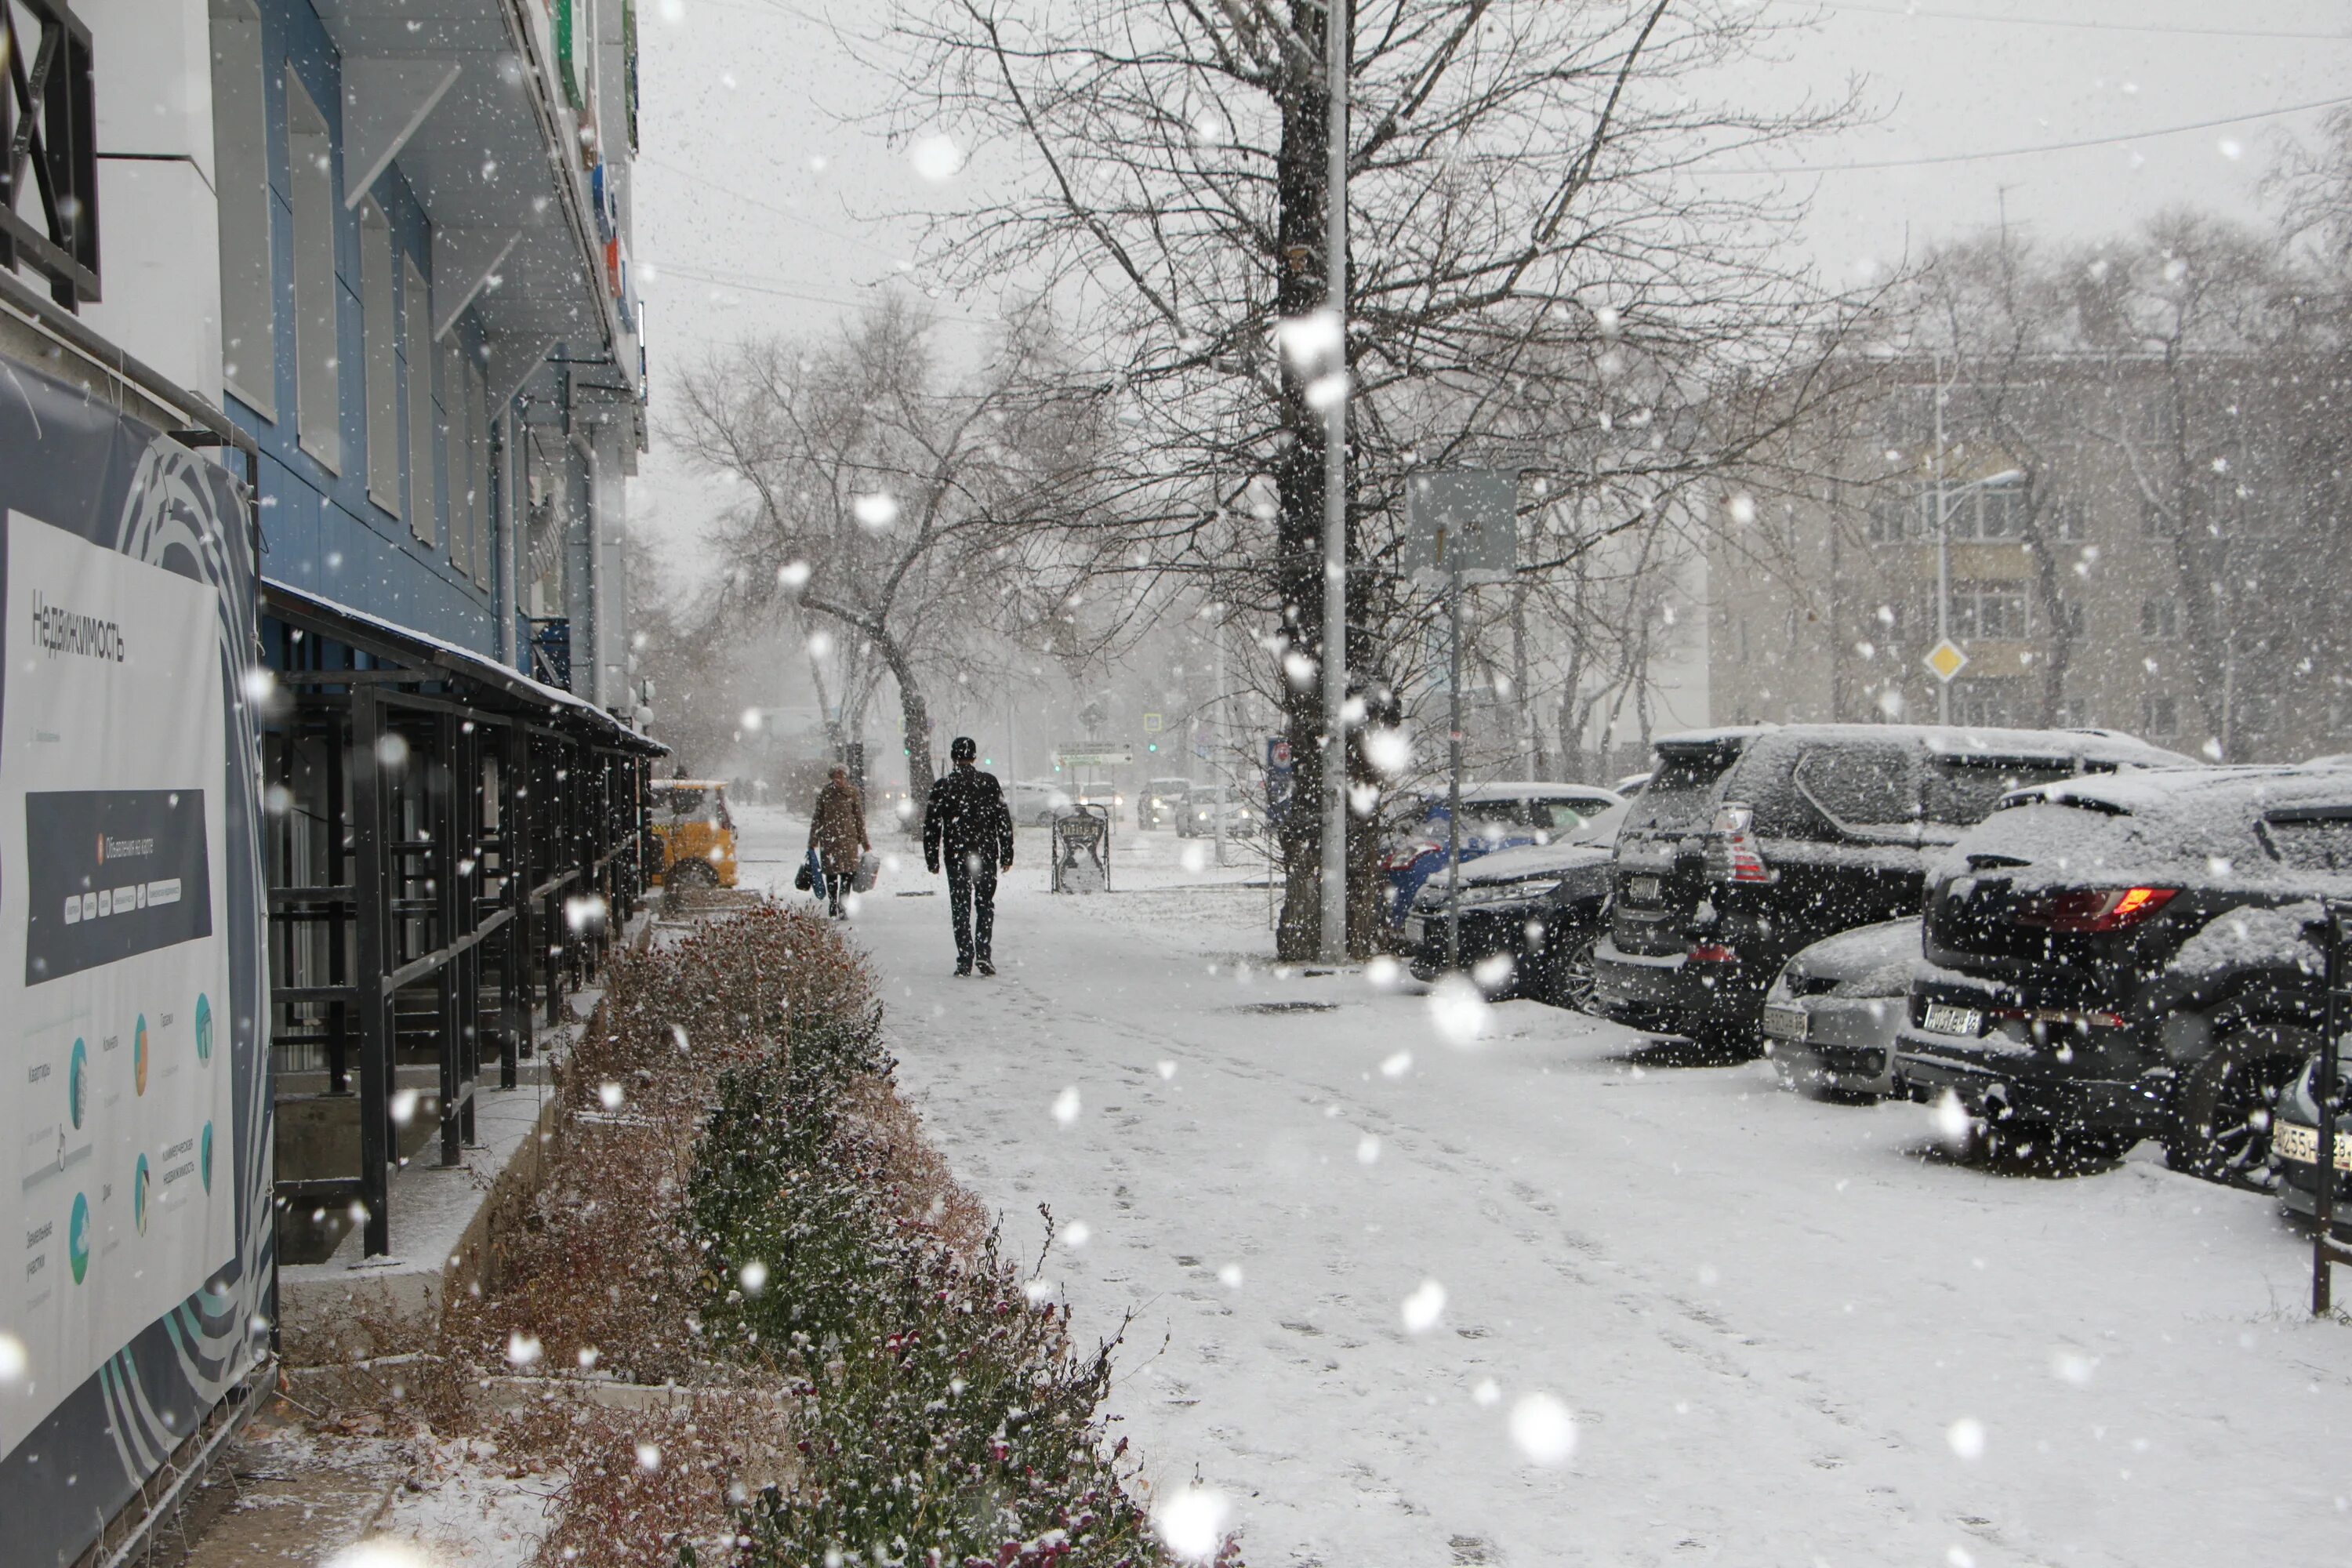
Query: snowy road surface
[[1784, 1335]]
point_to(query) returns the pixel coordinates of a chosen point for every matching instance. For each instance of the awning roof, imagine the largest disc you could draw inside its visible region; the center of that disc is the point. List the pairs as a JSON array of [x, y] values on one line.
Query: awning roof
[[507, 690]]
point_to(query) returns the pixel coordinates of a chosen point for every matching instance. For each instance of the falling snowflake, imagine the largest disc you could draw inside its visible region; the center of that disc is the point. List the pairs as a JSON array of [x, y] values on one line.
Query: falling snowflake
[[1192, 1521], [1067, 1106], [1424, 1307], [1966, 1437], [1543, 1430]]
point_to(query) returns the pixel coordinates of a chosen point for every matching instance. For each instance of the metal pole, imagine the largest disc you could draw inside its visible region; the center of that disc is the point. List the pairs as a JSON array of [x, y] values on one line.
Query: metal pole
[[1943, 552], [2324, 1252], [1454, 770], [1216, 731], [1336, 28]]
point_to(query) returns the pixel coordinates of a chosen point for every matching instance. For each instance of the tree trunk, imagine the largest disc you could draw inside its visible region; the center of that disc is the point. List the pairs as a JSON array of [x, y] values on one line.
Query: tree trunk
[[914, 726], [1300, 179]]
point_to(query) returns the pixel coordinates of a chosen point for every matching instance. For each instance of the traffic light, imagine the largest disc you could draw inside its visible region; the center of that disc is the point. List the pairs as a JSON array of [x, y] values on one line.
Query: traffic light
[[1151, 745]]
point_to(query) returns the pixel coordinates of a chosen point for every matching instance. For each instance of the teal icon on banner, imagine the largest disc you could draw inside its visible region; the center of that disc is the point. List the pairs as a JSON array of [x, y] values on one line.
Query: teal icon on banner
[[78, 1237], [139, 1195], [204, 1027], [77, 1083], [205, 1156]]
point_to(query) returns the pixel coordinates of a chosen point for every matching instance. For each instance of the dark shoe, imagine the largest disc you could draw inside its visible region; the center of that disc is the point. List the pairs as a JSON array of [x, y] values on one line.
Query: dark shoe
[[985, 967], [962, 970]]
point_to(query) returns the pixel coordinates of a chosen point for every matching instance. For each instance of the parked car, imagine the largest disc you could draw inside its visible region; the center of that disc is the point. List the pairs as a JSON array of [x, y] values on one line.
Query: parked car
[[2108, 960], [1538, 907], [1100, 792], [1037, 801], [1751, 844], [1494, 816], [2294, 1143], [1833, 1012], [1630, 786], [694, 833], [1160, 801]]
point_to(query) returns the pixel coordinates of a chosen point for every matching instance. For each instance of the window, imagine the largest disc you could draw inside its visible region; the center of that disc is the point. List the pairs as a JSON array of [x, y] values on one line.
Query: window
[[478, 443], [2073, 520], [457, 482], [1998, 512], [1961, 789], [318, 371], [1855, 785], [2160, 717], [2159, 620], [2072, 615], [1989, 610], [1894, 514], [380, 346], [418, 362], [1983, 703], [241, 171]]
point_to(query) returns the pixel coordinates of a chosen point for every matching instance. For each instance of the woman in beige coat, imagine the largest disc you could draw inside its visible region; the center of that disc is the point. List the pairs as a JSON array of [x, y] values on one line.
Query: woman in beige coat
[[838, 837]]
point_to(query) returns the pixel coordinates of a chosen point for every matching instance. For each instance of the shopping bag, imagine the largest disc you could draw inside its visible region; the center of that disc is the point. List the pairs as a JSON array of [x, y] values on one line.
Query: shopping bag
[[804, 879], [869, 871]]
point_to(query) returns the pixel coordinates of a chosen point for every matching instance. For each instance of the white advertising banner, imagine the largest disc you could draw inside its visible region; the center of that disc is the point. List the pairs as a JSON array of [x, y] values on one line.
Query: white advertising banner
[[115, 964]]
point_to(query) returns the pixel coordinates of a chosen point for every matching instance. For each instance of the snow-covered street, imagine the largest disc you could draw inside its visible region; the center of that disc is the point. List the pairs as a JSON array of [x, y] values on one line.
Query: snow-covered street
[[1361, 1257]]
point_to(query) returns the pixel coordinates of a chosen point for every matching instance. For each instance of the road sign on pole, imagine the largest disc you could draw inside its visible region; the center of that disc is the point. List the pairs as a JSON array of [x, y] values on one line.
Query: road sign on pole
[[1946, 660], [1094, 754], [1461, 523]]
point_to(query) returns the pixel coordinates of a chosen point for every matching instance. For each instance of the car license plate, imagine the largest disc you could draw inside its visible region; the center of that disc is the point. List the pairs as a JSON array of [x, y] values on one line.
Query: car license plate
[[1786, 1023], [1415, 929], [1947, 1018], [1642, 890]]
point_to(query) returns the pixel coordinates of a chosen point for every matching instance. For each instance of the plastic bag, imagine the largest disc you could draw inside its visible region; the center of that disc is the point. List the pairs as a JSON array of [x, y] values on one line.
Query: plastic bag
[[804, 879], [869, 871]]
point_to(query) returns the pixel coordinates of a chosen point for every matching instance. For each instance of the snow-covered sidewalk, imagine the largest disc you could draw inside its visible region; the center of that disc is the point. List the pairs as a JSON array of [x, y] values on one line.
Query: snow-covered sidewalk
[[1376, 1252]]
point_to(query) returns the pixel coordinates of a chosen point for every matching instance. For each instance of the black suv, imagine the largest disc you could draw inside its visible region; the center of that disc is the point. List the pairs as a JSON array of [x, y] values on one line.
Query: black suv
[[2115, 959], [1749, 844]]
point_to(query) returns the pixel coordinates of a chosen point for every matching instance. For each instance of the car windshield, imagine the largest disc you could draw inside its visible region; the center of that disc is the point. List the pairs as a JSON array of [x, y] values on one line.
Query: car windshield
[[1683, 790]]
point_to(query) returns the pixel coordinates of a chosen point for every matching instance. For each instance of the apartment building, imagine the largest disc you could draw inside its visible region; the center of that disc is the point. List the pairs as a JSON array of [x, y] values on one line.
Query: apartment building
[[2130, 543]]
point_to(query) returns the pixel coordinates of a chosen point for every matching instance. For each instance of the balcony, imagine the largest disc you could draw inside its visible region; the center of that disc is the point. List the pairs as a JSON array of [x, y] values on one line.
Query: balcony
[[48, 149]]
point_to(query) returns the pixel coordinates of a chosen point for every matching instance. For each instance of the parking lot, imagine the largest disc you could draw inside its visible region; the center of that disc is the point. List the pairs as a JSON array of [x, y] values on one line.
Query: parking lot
[[1365, 1231]]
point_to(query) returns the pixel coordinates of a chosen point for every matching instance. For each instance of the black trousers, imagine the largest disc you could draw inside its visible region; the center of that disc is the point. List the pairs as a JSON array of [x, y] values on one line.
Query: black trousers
[[972, 902], [836, 885]]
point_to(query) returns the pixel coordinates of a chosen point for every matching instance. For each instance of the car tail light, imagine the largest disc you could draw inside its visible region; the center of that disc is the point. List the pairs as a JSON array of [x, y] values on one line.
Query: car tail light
[[1732, 853], [1403, 857], [2093, 908], [1712, 953]]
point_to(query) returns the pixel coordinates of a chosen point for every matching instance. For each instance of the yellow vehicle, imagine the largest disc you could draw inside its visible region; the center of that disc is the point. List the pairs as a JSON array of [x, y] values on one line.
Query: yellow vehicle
[[694, 833]]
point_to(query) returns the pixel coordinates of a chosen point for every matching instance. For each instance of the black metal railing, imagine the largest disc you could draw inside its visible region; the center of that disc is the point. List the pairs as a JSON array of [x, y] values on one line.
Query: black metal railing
[[48, 147]]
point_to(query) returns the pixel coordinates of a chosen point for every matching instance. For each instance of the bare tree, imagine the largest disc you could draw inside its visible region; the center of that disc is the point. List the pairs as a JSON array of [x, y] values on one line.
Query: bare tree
[[897, 506], [1527, 235]]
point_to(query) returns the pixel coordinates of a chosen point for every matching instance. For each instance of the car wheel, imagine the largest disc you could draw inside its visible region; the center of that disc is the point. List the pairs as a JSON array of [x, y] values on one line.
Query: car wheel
[[2222, 1111], [694, 873], [1571, 971], [2064, 1147]]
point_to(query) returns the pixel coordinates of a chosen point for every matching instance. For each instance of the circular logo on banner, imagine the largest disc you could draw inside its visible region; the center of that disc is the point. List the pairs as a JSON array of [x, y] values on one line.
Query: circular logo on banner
[[204, 1027], [139, 1054], [78, 1237], [138, 1196], [205, 1156], [77, 1083]]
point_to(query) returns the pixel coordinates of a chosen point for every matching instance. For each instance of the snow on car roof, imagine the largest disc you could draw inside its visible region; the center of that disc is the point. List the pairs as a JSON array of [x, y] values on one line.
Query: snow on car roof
[[2199, 824], [1536, 789], [1951, 740]]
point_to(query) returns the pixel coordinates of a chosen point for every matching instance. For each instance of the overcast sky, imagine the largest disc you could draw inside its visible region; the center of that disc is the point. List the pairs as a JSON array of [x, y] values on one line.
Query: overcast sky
[[759, 204]]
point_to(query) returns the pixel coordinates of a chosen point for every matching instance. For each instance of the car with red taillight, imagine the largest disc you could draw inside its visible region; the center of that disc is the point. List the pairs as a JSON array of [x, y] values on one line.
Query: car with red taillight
[[2132, 957], [1752, 843], [1494, 816]]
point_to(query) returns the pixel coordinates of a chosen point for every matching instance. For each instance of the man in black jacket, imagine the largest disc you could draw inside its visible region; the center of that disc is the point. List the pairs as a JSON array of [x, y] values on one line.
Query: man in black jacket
[[966, 817]]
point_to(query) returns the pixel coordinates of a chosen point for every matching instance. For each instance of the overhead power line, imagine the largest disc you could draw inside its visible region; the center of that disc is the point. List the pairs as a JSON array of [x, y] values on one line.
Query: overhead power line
[[2115, 140], [1999, 19]]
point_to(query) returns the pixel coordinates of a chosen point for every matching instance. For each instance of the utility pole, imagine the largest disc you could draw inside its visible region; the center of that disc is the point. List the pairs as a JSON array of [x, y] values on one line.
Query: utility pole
[[1453, 761], [1943, 550], [1216, 733], [1337, 28]]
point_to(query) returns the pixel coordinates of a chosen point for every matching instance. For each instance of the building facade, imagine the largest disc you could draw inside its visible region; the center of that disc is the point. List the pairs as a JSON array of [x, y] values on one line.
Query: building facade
[[321, 383], [2136, 544]]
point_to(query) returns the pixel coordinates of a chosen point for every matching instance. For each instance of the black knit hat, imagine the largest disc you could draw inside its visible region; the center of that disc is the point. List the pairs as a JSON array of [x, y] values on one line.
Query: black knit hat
[[962, 749]]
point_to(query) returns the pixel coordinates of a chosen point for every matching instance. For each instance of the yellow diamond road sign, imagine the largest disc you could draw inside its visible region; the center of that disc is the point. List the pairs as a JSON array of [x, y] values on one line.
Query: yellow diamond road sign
[[1946, 659]]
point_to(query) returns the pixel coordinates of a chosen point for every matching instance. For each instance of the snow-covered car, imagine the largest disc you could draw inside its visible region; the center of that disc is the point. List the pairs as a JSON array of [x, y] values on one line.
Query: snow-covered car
[[1494, 816], [2294, 1144], [1833, 1012], [2107, 960], [1631, 785], [1037, 801], [1753, 842], [1529, 915]]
